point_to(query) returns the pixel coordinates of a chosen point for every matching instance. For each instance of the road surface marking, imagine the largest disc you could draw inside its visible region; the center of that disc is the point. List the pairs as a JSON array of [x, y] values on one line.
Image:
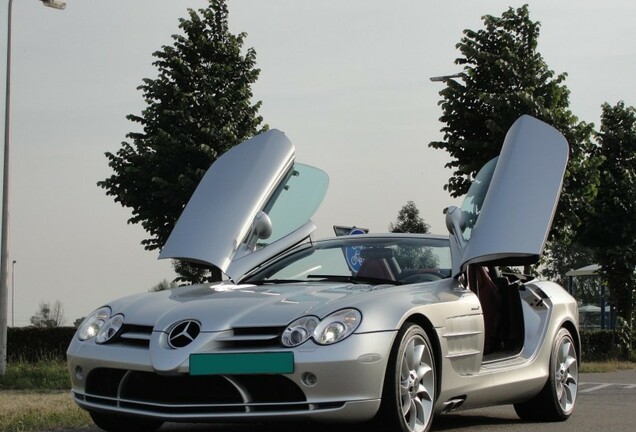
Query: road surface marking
[[596, 387], [600, 386]]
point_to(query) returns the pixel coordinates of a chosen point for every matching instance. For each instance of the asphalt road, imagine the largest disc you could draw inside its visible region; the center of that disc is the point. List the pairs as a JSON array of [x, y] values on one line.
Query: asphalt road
[[606, 402]]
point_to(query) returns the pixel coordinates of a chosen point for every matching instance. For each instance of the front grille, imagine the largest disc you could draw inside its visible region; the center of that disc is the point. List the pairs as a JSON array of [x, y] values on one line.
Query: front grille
[[240, 337], [258, 331], [251, 337], [135, 335], [189, 395]]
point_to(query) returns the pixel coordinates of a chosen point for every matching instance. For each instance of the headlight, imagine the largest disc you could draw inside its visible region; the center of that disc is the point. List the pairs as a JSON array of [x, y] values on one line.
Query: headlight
[[93, 323], [337, 326], [330, 330], [110, 329], [299, 331]]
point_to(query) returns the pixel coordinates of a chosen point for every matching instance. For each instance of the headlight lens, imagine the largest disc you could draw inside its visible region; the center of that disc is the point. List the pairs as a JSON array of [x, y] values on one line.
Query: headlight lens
[[110, 329], [337, 326], [299, 331], [93, 323], [330, 330]]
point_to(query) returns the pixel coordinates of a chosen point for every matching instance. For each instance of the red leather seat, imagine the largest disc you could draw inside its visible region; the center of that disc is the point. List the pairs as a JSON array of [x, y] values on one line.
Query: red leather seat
[[376, 268]]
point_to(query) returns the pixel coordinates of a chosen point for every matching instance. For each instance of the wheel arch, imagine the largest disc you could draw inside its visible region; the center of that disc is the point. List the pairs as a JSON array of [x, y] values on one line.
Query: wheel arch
[[569, 326], [427, 326]]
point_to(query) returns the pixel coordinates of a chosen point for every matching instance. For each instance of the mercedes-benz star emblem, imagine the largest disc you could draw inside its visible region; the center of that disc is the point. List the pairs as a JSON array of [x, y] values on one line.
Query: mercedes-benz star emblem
[[183, 333]]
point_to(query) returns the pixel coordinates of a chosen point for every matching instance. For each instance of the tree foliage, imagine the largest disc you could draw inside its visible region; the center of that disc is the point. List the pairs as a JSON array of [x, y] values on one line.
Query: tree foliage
[[563, 257], [409, 220], [611, 225], [49, 315], [163, 285], [198, 107], [504, 76]]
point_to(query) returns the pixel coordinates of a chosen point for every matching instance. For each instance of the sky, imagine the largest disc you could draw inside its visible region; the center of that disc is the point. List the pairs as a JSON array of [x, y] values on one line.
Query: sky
[[347, 81]]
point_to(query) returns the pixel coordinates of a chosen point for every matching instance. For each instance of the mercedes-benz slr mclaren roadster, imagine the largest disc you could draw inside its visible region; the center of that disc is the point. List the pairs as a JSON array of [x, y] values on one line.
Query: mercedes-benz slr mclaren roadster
[[390, 328]]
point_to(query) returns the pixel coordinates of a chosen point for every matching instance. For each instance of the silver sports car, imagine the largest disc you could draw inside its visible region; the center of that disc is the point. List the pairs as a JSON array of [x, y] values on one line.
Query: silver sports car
[[393, 328]]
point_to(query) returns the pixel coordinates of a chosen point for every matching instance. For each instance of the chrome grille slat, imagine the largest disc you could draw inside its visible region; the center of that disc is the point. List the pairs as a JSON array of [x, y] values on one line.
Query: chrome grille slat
[[115, 401], [136, 336], [246, 338]]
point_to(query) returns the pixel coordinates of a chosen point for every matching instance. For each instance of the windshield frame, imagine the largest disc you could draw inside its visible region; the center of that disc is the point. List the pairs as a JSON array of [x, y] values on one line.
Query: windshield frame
[[304, 250]]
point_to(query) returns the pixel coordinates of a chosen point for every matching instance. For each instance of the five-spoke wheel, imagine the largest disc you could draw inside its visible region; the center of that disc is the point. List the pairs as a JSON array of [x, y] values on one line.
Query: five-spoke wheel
[[566, 372], [409, 391], [556, 400]]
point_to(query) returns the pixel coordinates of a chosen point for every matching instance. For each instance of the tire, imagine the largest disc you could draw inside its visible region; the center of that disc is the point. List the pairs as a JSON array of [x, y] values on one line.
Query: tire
[[112, 422], [556, 400], [409, 386]]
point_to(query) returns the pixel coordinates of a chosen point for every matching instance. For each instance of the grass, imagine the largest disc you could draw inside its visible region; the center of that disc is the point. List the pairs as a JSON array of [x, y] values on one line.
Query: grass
[[606, 366], [43, 375], [31, 411], [36, 397]]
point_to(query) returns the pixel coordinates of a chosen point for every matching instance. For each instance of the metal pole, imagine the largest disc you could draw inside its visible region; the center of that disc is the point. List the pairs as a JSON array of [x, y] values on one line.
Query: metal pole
[[603, 307], [13, 293], [5, 209], [4, 248]]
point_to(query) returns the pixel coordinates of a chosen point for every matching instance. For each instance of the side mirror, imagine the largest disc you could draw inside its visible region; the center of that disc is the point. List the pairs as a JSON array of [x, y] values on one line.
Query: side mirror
[[261, 229], [262, 226], [455, 223]]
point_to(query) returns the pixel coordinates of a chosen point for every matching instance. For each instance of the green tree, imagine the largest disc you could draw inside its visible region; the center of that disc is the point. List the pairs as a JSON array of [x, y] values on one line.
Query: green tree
[[611, 225], [409, 220], [49, 315], [198, 107], [504, 76], [563, 257], [163, 286]]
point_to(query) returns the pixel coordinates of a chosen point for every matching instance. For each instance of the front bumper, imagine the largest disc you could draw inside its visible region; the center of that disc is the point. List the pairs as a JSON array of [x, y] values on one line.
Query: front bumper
[[341, 382]]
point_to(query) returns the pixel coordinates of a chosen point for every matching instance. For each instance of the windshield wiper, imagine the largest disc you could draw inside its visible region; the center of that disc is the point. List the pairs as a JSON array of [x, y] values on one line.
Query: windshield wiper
[[273, 281], [354, 279]]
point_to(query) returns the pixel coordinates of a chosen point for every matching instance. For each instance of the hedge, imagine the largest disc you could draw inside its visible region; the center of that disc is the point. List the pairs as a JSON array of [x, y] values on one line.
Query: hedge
[[600, 345], [32, 344]]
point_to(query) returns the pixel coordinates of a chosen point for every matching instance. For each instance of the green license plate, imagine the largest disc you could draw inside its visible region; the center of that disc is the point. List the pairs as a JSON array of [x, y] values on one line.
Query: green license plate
[[242, 363]]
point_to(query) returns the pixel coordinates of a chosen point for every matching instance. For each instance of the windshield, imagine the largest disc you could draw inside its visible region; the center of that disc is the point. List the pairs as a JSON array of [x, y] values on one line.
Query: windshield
[[364, 259]]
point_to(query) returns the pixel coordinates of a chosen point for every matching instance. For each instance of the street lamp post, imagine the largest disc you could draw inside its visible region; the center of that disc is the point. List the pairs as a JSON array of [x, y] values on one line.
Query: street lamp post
[[4, 248], [443, 78], [13, 293]]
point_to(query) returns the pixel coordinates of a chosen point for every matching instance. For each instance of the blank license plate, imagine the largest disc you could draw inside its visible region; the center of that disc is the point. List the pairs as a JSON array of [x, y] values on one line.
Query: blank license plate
[[242, 363]]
